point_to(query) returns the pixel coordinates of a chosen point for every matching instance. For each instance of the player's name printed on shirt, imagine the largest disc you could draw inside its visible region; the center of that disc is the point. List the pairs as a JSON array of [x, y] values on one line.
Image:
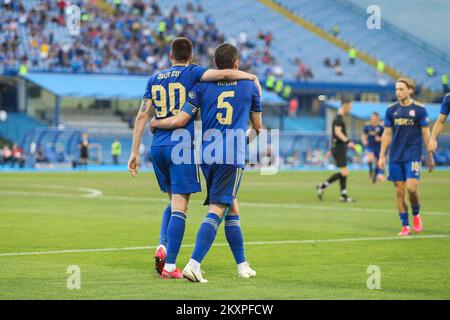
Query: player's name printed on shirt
[[166, 75], [227, 83]]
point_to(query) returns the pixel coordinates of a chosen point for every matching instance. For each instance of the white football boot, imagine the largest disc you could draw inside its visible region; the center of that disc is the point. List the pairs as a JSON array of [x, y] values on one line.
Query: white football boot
[[245, 271], [193, 275]]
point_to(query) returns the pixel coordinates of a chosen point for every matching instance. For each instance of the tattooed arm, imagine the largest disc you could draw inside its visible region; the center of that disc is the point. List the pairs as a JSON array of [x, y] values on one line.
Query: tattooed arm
[[139, 126]]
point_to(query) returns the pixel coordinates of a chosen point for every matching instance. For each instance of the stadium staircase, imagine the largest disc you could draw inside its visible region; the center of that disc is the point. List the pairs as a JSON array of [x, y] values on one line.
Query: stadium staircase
[[103, 127], [95, 122]]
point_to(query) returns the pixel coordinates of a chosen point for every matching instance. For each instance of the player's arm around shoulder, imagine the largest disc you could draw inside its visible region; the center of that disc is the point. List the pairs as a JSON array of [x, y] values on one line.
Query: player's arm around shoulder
[[170, 123], [226, 74], [255, 114]]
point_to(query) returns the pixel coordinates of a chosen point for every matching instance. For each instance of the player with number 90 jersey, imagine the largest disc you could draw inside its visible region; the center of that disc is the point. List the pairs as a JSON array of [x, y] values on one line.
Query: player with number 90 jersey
[[167, 90]]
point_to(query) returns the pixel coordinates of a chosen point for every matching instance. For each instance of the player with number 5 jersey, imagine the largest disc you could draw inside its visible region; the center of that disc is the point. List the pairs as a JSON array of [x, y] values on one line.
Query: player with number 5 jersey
[[166, 93], [406, 126], [226, 107]]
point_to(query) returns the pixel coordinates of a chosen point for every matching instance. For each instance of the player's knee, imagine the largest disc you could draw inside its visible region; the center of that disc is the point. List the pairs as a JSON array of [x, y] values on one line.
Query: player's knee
[[234, 209], [400, 190], [344, 172], [233, 213], [179, 206], [217, 209], [412, 189]]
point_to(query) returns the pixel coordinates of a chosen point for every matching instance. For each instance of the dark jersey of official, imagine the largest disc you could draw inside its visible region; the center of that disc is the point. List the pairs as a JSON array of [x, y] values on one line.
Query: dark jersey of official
[[338, 122]]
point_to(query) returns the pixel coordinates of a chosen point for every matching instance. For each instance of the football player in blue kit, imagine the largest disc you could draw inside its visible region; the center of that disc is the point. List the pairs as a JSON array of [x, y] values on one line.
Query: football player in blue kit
[[439, 125], [406, 125], [166, 93], [225, 107], [371, 139]]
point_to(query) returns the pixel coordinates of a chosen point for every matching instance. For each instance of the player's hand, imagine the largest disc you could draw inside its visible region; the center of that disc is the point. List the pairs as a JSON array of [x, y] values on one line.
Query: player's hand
[[258, 85], [351, 145], [433, 145], [382, 162], [133, 164], [152, 124], [430, 161]]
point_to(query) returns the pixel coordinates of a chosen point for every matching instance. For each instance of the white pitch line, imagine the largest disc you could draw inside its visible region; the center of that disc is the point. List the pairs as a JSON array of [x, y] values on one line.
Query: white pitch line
[[348, 208], [255, 243]]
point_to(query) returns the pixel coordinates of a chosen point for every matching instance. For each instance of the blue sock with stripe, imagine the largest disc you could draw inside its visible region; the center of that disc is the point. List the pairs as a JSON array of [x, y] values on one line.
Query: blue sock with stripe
[[415, 210], [234, 236], [164, 224], [404, 219], [175, 233], [205, 236]]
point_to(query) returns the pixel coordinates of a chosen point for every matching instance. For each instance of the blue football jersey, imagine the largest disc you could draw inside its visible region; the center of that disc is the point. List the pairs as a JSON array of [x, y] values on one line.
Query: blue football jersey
[[225, 108], [445, 107], [168, 90], [372, 132], [406, 123]]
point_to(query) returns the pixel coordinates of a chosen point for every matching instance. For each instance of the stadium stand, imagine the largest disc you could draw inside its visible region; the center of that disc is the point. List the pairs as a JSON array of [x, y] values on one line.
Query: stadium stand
[[130, 41], [124, 38], [47, 45], [237, 17], [327, 13], [421, 12]]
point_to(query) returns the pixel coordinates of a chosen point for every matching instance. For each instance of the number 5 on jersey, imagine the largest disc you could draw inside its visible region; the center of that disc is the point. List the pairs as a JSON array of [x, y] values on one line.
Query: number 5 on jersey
[[226, 118]]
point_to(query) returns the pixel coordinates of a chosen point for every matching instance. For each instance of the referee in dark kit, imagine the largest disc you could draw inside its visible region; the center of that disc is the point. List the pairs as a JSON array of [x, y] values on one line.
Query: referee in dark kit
[[339, 145]]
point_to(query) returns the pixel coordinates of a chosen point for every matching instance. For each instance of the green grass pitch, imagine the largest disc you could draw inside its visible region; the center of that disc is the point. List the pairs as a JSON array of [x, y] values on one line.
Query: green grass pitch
[[42, 212]]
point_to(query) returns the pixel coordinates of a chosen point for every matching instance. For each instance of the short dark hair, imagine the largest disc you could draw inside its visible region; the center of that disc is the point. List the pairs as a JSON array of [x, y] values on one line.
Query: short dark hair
[[226, 56], [376, 114], [182, 49], [345, 100]]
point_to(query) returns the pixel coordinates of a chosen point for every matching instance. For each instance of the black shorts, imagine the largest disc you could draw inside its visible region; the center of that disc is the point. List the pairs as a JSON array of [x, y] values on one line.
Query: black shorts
[[340, 156]]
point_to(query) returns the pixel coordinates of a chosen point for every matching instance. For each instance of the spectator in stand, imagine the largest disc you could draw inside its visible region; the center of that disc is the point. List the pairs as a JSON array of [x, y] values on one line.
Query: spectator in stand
[[335, 31], [62, 6], [268, 39], [293, 107], [41, 157], [327, 62], [338, 68], [7, 155], [303, 71], [17, 156], [352, 55]]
